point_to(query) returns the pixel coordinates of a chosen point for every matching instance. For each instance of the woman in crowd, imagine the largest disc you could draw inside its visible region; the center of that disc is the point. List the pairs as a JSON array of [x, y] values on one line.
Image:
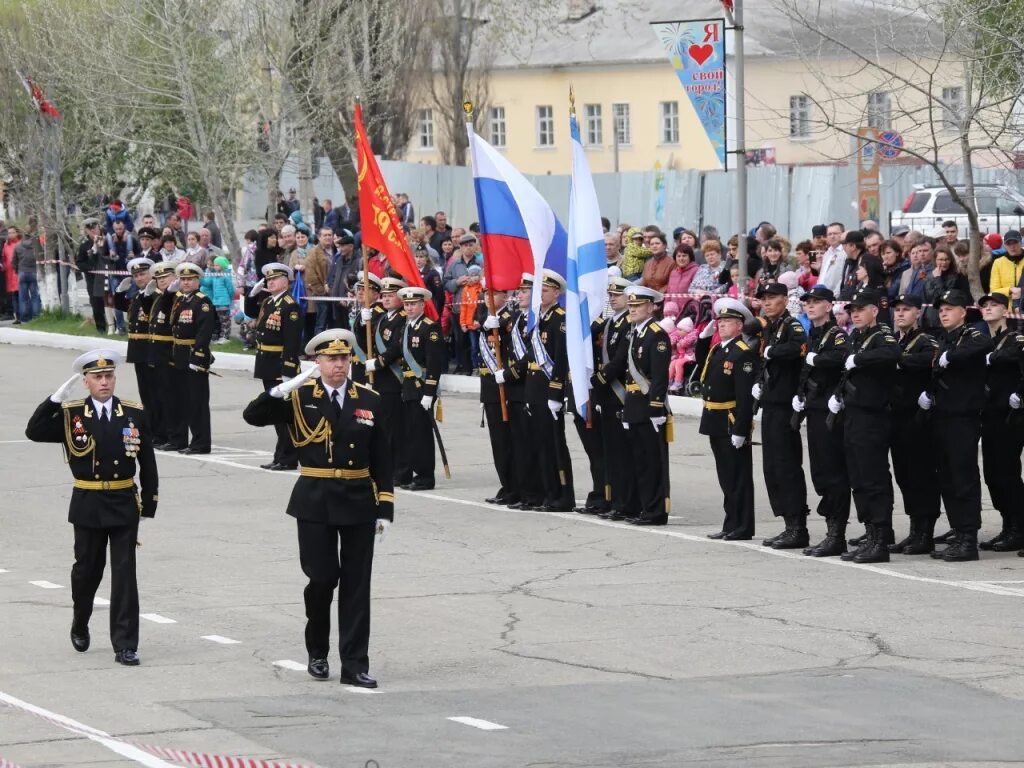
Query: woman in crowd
[[894, 264], [944, 277], [681, 276], [706, 278], [774, 263], [431, 275]]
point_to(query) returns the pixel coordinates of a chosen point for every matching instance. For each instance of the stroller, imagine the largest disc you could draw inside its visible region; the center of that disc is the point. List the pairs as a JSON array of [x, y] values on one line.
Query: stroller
[[700, 310]]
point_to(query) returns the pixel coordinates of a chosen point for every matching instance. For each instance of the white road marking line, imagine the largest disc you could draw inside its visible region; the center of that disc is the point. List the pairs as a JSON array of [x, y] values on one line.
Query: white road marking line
[[221, 639], [992, 589], [46, 584], [100, 601], [4, 570], [13, 442], [156, 618], [357, 689], [483, 725], [289, 664]]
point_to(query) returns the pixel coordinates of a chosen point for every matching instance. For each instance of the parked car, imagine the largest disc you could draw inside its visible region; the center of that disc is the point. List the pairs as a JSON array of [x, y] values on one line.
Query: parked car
[[999, 208]]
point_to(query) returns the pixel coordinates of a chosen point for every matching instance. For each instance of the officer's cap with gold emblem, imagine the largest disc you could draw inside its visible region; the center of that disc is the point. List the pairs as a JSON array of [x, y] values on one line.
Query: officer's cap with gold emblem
[[188, 269], [375, 282], [412, 293], [277, 269], [641, 294], [141, 264], [336, 341], [618, 284], [728, 308], [391, 285], [553, 280], [96, 361], [162, 268], [526, 282]]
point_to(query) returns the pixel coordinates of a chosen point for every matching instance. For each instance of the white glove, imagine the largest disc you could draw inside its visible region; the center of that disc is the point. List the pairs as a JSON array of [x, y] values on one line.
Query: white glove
[[767, 350], [366, 314], [371, 365], [491, 322], [708, 331], [382, 529], [173, 287], [554, 406], [988, 358], [924, 402], [65, 389], [810, 358], [943, 359], [150, 288], [1015, 401], [798, 403], [658, 421], [426, 401], [193, 367], [756, 391], [738, 441], [834, 405], [597, 409], [499, 375], [257, 289], [850, 363], [625, 426], [285, 387], [124, 285]]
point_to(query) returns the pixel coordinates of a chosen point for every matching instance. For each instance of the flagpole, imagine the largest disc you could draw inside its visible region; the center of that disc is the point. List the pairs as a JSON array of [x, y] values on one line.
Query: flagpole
[[366, 305], [575, 393], [467, 107]]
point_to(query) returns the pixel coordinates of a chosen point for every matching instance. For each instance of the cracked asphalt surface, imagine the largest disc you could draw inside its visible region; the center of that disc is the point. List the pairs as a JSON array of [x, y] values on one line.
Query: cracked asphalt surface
[[593, 643]]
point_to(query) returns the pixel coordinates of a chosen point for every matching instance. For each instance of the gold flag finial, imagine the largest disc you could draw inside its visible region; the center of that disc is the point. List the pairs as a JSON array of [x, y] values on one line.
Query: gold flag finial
[[467, 107], [572, 101]]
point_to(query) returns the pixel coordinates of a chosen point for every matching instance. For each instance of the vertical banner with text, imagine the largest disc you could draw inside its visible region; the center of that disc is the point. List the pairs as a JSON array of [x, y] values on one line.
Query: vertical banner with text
[[696, 50], [867, 174]]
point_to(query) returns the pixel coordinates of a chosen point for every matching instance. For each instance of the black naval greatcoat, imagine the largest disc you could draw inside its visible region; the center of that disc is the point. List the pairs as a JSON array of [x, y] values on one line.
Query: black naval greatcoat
[[499, 431], [137, 306], [359, 354], [1002, 438], [611, 336], [192, 322], [422, 362], [278, 339], [388, 380]]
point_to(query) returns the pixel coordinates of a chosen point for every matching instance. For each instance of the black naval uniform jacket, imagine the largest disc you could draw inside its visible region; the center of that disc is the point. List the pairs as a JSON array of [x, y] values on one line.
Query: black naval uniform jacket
[[788, 345], [959, 388], [869, 385], [539, 388], [278, 338], [99, 455], [348, 452], [727, 379], [137, 305], [918, 351], [358, 328], [1004, 371], [517, 368], [387, 344], [192, 322], [828, 343], [489, 391], [161, 337], [421, 340], [611, 338], [651, 351]]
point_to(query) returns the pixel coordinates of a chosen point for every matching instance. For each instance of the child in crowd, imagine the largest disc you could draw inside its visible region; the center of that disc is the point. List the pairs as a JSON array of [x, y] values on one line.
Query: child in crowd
[[470, 297], [683, 353], [218, 285], [734, 283]]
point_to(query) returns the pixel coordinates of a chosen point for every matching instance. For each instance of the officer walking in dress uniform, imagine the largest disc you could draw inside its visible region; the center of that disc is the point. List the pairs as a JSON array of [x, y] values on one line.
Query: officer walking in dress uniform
[[386, 365], [279, 327], [192, 322], [130, 297], [730, 367], [499, 431], [342, 500], [169, 433], [422, 362], [358, 320], [105, 441]]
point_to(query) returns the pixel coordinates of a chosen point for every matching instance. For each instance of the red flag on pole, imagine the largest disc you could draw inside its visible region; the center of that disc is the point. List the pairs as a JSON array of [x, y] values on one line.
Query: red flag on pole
[[38, 97], [728, 5], [378, 218]]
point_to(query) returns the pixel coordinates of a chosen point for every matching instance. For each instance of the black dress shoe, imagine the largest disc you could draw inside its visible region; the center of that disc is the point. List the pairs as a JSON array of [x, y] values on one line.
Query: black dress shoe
[[128, 657], [946, 538], [659, 520], [169, 447], [193, 451], [717, 535], [271, 465], [284, 467], [358, 679], [508, 501], [738, 536], [557, 508], [319, 668], [495, 499], [418, 486], [80, 639]]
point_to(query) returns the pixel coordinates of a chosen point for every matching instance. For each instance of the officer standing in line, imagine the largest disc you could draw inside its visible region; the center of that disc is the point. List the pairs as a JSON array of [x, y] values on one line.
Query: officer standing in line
[[192, 322], [499, 431], [910, 439], [130, 297], [864, 393], [422, 362], [358, 318], [343, 501], [782, 356], [819, 378], [279, 325], [168, 431], [609, 396], [590, 437], [103, 438], [730, 367], [386, 366]]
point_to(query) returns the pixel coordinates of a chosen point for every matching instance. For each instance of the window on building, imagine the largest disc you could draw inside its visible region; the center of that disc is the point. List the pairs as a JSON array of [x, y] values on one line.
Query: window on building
[[594, 130], [425, 128], [496, 120], [545, 126], [952, 107], [670, 122], [624, 134], [879, 110], [799, 117]]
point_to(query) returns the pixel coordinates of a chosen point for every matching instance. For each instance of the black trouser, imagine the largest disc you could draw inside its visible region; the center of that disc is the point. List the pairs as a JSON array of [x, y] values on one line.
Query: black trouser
[[735, 469], [553, 463], [179, 408], [956, 440], [649, 462], [1001, 446], [828, 466], [144, 381], [524, 454], [866, 441], [594, 446], [308, 326], [419, 441], [284, 449], [391, 418], [87, 573], [199, 409], [500, 433], [913, 464], [333, 555], [99, 314], [620, 483], [782, 460]]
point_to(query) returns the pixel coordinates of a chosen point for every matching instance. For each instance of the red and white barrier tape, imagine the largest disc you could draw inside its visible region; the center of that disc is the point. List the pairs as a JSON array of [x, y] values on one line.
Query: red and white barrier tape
[[8, 764]]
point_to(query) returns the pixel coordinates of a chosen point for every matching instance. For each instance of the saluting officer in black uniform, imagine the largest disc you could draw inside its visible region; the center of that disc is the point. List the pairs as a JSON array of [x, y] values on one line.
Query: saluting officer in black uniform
[[498, 429], [342, 498], [386, 366], [730, 367], [910, 438], [169, 432], [130, 297], [358, 318], [864, 392], [422, 362], [782, 356], [279, 325], [822, 369], [103, 438], [609, 395], [192, 321]]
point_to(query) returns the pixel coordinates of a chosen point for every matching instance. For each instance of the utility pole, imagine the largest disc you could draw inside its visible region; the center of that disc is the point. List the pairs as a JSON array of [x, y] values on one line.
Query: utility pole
[[736, 18]]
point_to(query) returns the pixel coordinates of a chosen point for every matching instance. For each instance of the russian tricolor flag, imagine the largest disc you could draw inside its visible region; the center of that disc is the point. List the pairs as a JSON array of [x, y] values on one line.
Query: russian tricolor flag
[[519, 232]]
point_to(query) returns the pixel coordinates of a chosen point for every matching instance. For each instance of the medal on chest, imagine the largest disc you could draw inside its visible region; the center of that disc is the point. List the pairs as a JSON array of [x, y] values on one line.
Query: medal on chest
[[544, 337], [414, 342], [274, 321], [727, 368], [363, 416], [78, 434], [160, 317], [130, 436], [185, 318], [386, 335]]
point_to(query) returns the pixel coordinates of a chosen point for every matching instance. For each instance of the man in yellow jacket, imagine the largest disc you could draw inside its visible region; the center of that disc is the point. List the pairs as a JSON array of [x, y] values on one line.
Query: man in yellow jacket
[[1007, 270]]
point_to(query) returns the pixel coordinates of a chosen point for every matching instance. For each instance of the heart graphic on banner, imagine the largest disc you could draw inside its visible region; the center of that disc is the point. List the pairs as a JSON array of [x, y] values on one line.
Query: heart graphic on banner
[[700, 53]]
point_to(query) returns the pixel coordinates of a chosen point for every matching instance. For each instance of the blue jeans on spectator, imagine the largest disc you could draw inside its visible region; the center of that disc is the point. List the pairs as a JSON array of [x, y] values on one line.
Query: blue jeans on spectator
[[324, 316], [474, 350], [112, 282], [28, 297]]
